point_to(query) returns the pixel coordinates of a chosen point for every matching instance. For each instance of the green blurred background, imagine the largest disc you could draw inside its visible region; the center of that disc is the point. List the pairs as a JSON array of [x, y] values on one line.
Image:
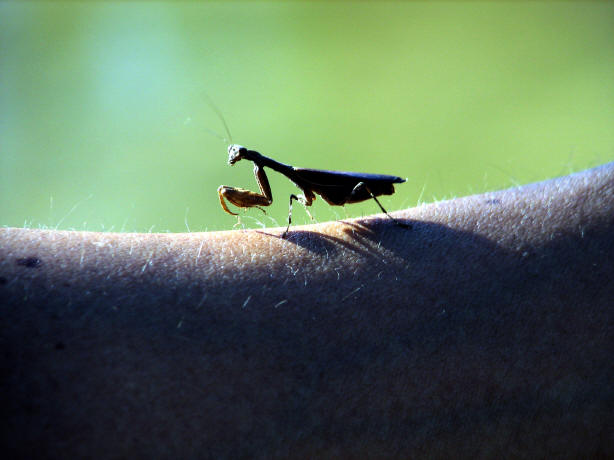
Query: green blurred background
[[104, 117]]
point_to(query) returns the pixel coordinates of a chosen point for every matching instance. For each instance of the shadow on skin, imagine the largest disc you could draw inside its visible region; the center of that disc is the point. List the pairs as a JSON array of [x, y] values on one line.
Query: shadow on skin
[[325, 244]]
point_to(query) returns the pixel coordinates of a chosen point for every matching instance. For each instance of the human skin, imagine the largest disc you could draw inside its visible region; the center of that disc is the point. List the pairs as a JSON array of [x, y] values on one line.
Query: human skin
[[484, 330]]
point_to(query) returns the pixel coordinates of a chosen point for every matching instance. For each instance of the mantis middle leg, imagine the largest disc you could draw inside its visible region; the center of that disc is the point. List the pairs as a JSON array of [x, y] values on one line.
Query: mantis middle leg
[[306, 200]]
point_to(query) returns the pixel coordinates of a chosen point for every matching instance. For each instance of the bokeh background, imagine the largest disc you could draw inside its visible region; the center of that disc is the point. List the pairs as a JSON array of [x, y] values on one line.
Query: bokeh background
[[105, 125]]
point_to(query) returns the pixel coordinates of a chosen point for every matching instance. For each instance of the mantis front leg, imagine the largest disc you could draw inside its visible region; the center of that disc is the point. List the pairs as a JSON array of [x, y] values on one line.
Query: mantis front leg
[[246, 198]]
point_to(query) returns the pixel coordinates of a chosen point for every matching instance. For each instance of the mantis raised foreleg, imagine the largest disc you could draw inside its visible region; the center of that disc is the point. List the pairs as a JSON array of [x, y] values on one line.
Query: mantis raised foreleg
[[243, 198]]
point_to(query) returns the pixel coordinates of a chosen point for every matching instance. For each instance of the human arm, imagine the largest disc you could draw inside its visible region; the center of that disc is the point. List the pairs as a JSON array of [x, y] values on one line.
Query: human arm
[[484, 330]]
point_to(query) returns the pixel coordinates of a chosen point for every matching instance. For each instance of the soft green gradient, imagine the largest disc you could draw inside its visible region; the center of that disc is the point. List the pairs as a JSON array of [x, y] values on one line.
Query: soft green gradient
[[103, 108]]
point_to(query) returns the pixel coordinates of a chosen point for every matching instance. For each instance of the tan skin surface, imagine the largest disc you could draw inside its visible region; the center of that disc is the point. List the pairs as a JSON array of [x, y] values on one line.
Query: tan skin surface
[[485, 330]]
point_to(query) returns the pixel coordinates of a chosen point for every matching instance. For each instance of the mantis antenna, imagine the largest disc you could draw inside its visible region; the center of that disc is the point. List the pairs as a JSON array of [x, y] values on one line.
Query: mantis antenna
[[218, 112]]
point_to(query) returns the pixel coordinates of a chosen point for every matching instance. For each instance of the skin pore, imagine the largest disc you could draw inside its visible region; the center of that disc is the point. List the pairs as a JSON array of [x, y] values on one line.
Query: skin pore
[[485, 330]]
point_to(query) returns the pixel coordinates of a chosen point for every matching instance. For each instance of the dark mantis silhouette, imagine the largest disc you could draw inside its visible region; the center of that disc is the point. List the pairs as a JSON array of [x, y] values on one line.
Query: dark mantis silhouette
[[335, 187]]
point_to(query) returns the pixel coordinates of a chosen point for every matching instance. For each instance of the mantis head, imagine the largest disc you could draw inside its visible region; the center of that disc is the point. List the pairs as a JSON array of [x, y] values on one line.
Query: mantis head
[[236, 152]]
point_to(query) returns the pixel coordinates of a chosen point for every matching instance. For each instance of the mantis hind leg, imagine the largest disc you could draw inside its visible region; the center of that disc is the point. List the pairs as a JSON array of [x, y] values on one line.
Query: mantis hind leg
[[362, 186]]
